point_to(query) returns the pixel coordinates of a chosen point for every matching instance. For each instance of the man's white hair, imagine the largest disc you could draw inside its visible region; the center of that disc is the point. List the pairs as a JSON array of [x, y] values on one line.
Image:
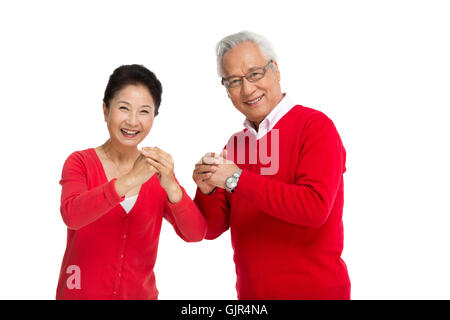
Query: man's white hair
[[233, 40]]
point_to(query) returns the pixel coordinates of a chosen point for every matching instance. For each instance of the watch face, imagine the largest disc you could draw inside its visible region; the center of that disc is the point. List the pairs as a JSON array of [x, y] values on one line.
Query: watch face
[[231, 183]]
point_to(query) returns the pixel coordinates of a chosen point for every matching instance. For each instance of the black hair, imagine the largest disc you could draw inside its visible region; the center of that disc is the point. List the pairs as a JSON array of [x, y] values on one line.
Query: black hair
[[133, 74]]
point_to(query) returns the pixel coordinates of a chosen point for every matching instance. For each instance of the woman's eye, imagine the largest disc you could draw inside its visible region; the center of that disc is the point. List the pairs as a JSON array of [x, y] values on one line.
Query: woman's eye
[[145, 111], [123, 108]]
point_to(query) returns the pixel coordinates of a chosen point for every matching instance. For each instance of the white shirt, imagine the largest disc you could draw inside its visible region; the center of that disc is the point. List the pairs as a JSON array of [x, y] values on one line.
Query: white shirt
[[128, 203], [272, 118]]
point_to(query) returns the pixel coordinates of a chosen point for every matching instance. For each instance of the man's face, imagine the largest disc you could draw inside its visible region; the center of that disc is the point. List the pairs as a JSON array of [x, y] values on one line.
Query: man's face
[[254, 99]]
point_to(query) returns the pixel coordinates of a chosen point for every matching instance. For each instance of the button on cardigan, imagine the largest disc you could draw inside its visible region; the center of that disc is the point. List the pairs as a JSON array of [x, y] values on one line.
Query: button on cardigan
[[111, 254]]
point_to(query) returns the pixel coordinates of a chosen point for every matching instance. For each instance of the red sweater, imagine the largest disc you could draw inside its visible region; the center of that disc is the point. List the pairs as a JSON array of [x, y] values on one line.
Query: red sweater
[[286, 228], [114, 251]]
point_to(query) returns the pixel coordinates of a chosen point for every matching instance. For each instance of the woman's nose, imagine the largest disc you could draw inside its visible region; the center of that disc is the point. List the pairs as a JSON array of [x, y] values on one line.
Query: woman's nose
[[133, 118]]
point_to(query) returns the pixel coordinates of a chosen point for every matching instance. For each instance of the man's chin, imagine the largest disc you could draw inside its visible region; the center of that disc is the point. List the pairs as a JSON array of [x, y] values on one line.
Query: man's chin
[[256, 116]]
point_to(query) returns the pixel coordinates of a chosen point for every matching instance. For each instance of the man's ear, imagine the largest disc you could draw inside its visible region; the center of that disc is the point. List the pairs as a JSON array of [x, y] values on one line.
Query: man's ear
[[277, 71], [105, 112]]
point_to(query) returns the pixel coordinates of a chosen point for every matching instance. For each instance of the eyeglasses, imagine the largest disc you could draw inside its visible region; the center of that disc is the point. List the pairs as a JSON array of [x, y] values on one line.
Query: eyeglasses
[[254, 75]]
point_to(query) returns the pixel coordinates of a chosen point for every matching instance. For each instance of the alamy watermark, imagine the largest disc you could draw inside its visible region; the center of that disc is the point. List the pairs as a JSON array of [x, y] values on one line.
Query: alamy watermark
[[74, 280], [268, 153]]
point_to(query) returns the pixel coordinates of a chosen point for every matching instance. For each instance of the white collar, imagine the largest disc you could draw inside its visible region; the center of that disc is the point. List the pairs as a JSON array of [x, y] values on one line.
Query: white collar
[[271, 119]]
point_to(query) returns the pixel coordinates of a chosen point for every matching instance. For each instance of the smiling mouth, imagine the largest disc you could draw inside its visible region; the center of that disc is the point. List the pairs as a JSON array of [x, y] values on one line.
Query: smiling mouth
[[254, 101], [129, 133]]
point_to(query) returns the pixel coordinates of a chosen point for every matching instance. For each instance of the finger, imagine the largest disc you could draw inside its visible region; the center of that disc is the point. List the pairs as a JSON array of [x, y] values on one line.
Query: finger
[[163, 154], [201, 168], [212, 155], [206, 167], [202, 176], [160, 156], [151, 153], [155, 164], [166, 163], [210, 160], [145, 151], [153, 168]]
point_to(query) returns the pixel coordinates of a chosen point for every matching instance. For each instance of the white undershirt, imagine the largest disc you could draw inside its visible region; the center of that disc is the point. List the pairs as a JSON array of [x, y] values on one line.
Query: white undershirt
[[128, 203]]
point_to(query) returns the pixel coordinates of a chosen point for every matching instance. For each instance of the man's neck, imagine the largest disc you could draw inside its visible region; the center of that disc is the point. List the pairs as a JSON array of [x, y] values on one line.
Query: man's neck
[[256, 124]]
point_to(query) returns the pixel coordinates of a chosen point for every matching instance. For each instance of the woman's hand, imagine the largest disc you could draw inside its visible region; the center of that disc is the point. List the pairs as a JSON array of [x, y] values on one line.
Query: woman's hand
[[163, 162], [142, 171]]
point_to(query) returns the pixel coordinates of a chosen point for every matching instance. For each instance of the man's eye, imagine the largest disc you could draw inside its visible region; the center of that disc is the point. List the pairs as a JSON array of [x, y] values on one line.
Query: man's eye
[[123, 108], [234, 81], [255, 74]]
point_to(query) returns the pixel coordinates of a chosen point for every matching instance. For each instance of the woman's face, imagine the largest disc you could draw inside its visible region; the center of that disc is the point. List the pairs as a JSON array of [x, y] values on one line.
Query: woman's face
[[130, 115]]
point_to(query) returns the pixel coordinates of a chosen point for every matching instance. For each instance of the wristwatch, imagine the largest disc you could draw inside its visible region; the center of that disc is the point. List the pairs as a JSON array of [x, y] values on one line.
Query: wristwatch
[[232, 181]]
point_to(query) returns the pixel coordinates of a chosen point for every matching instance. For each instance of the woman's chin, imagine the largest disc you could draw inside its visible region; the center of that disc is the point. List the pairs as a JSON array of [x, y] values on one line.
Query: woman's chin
[[128, 143]]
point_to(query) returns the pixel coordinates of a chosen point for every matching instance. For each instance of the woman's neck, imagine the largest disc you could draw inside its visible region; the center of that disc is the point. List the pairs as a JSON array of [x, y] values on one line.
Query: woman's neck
[[118, 154]]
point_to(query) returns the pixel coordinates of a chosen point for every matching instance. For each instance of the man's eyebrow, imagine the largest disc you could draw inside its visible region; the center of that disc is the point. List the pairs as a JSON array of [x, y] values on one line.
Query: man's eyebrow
[[254, 68], [248, 70]]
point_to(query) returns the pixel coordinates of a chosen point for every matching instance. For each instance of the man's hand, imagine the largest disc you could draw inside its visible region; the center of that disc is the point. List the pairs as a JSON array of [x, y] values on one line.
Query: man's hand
[[213, 171], [224, 169], [204, 170]]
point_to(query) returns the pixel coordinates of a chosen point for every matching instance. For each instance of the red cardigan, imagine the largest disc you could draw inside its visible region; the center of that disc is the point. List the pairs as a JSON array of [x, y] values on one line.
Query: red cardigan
[[286, 228], [113, 251]]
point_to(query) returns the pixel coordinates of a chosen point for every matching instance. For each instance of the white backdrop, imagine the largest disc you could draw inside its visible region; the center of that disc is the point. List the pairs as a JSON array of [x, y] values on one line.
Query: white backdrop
[[379, 69]]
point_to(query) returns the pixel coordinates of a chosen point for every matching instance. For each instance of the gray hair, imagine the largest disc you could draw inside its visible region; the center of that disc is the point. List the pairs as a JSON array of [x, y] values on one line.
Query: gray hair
[[231, 41]]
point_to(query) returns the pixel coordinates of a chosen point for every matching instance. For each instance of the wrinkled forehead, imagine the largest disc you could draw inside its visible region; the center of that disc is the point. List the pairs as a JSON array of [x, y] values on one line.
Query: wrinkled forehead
[[242, 59]]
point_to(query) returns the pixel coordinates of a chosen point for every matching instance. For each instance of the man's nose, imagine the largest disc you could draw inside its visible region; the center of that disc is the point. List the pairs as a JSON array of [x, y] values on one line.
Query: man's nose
[[247, 87]]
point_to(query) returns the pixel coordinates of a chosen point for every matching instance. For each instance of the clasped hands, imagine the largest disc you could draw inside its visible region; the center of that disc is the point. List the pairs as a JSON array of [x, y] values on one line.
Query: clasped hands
[[153, 160], [212, 171]]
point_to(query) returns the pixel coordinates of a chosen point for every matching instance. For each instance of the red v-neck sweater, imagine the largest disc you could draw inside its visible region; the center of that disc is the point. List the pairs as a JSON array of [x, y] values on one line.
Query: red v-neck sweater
[[286, 228], [115, 252]]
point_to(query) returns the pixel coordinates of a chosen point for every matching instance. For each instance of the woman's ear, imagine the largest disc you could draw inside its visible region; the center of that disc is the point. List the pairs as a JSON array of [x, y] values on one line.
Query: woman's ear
[[105, 112]]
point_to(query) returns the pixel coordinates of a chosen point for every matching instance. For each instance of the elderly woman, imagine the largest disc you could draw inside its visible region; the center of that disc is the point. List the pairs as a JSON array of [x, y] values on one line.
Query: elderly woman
[[115, 196]]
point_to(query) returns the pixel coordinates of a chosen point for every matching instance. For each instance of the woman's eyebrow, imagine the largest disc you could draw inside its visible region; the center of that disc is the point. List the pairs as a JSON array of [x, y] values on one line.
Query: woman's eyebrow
[[121, 101], [145, 105]]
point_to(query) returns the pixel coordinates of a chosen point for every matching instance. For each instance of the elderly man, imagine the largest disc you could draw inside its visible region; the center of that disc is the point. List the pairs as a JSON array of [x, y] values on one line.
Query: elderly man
[[278, 184]]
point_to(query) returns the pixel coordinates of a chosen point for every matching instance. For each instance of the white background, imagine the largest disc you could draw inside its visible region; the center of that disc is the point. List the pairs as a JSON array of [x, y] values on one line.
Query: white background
[[379, 69]]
